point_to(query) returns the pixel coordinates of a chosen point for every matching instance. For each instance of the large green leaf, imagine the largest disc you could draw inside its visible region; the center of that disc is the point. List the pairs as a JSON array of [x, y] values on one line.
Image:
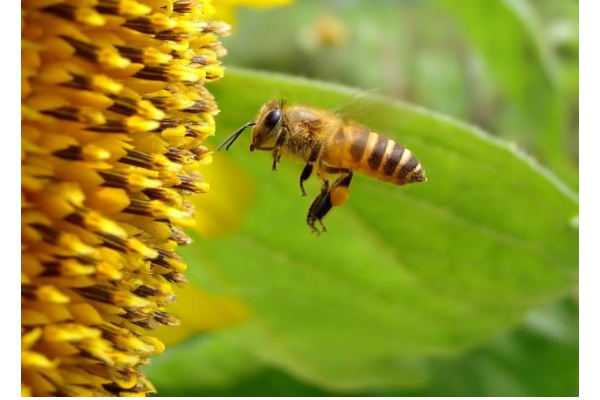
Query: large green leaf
[[404, 274], [540, 358]]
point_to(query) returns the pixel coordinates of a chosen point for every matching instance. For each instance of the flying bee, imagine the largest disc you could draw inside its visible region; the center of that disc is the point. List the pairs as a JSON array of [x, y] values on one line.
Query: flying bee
[[331, 148]]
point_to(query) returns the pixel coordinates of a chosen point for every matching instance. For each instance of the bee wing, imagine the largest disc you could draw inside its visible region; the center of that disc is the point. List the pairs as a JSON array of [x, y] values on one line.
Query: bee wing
[[354, 106]]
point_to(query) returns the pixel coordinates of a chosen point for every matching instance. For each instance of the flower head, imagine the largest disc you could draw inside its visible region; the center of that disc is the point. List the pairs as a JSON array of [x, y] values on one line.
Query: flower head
[[114, 111]]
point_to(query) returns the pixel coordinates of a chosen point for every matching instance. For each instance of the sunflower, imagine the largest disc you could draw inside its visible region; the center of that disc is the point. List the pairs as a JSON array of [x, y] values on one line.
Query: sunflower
[[114, 112]]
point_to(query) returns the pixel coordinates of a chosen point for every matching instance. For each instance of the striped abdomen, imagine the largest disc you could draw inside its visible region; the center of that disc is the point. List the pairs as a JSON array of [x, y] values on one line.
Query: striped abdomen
[[375, 155]]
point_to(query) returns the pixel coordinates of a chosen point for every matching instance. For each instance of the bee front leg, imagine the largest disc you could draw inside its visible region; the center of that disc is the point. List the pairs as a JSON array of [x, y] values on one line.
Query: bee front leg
[[277, 149], [308, 168]]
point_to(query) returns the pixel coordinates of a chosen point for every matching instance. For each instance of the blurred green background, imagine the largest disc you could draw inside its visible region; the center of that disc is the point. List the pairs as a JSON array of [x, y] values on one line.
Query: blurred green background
[[463, 286]]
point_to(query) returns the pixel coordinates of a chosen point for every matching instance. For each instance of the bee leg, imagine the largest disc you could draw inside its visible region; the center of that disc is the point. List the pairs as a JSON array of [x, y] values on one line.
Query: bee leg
[[277, 149], [308, 168], [318, 209], [276, 160], [330, 197], [306, 173], [340, 190]]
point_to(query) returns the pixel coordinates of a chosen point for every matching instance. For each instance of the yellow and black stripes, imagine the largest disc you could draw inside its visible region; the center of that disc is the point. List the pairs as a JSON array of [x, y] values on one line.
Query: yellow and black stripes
[[378, 156], [393, 159], [358, 139], [377, 152]]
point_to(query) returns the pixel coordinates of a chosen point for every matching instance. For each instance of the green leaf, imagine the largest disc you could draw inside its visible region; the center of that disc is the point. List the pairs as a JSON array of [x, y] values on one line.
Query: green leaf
[[202, 363], [404, 275], [212, 365], [539, 358]]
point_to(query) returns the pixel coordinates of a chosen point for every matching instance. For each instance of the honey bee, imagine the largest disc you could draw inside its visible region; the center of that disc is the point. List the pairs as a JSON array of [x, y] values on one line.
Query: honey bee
[[330, 147]]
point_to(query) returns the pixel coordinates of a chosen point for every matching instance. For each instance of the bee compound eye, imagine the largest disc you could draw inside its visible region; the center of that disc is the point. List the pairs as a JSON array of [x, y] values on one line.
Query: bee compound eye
[[273, 118]]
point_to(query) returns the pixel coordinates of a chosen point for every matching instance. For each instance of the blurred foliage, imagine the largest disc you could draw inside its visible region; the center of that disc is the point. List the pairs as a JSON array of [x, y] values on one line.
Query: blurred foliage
[[226, 9], [509, 39], [408, 285]]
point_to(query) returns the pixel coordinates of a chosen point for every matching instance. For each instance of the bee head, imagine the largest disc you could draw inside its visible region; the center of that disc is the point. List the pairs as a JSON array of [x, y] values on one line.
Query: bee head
[[267, 127]]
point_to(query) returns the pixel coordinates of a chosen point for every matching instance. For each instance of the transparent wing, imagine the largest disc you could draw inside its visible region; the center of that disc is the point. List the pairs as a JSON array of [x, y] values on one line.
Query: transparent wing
[[354, 107]]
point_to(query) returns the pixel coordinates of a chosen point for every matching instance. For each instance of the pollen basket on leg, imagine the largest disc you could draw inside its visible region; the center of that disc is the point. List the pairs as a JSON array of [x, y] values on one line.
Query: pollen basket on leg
[[114, 114]]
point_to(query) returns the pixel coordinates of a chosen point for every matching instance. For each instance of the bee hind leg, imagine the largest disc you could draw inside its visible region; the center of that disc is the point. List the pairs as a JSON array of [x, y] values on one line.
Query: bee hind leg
[[318, 209], [340, 190], [330, 197]]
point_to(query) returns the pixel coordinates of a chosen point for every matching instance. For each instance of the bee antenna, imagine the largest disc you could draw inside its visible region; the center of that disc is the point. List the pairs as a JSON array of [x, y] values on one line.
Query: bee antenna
[[232, 138]]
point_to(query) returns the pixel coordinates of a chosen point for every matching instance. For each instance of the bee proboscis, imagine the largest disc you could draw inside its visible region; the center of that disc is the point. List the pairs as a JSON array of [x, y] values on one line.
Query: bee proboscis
[[330, 147]]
